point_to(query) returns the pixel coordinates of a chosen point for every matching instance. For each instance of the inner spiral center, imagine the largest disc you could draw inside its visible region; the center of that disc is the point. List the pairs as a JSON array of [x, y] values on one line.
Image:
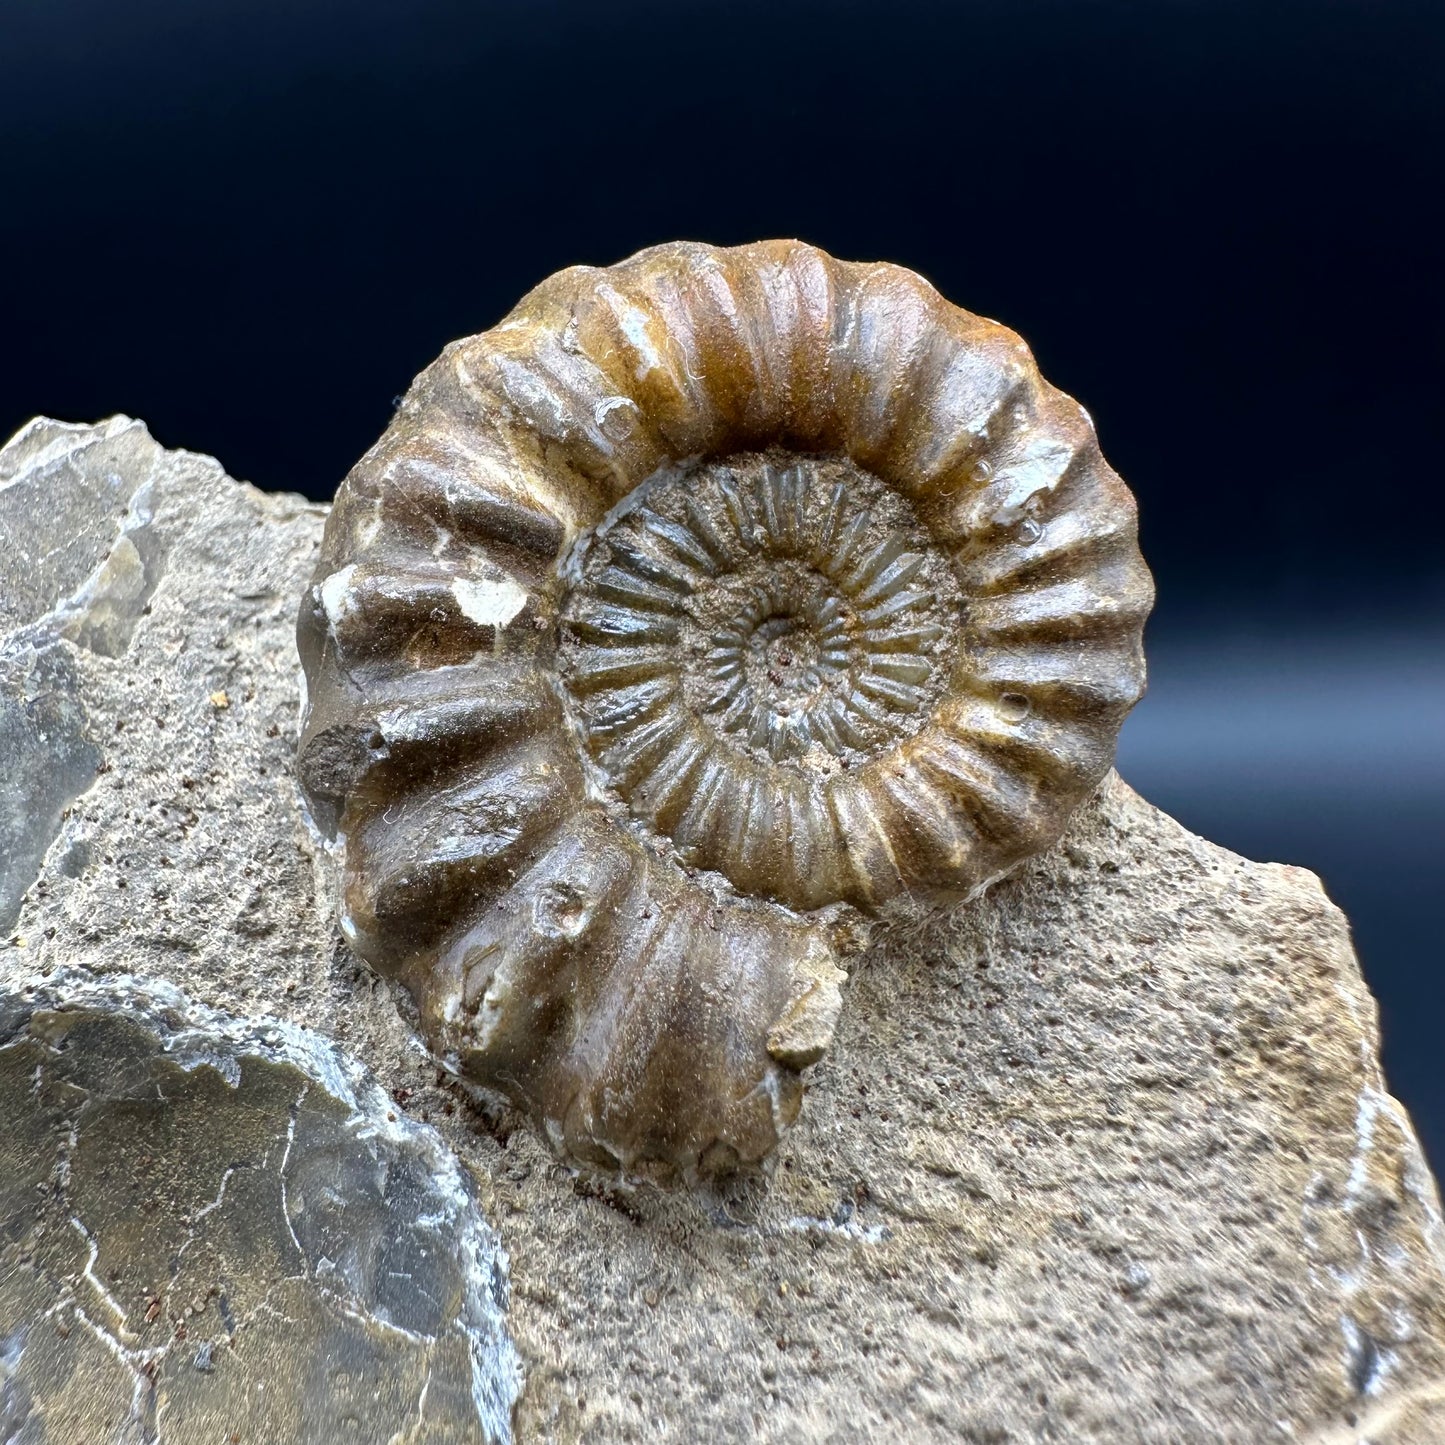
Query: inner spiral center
[[771, 612], [787, 653], [776, 650]]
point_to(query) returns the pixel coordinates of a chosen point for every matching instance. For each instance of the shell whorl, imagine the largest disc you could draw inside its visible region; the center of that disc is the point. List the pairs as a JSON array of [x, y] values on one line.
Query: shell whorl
[[705, 595]]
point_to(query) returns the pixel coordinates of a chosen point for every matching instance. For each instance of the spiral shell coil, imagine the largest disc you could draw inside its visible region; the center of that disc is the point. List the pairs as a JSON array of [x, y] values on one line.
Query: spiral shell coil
[[709, 600]]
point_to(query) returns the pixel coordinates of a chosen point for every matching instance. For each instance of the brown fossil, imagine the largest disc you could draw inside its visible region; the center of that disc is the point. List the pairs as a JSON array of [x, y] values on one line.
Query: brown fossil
[[707, 599]]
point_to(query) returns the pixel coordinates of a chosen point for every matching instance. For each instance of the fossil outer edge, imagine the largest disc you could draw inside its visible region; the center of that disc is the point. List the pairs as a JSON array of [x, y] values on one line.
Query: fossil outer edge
[[707, 600]]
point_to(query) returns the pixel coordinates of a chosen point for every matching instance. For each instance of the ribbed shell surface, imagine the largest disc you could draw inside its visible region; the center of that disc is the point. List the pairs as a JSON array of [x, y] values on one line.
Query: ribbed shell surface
[[706, 601]]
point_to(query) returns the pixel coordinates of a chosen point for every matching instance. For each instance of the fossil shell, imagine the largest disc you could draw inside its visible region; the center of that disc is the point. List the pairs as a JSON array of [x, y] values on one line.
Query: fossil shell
[[710, 599]]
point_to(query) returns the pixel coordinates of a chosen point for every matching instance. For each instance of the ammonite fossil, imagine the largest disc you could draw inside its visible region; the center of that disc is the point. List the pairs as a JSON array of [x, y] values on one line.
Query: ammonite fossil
[[708, 601]]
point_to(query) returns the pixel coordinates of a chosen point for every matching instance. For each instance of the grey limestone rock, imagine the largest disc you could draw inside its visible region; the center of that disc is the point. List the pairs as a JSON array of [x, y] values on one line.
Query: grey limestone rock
[[1104, 1157], [219, 1229]]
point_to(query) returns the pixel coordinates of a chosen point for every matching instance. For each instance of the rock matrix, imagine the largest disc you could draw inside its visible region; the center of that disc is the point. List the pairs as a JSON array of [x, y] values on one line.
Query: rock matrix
[[1103, 1157]]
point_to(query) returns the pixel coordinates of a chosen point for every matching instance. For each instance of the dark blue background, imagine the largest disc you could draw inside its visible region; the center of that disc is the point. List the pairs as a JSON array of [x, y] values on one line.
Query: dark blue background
[[1219, 225]]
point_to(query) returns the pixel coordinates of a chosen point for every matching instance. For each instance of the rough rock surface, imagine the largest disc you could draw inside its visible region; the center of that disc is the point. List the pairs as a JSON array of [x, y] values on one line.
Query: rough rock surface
[[212, 1229], [1105, 1157]]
